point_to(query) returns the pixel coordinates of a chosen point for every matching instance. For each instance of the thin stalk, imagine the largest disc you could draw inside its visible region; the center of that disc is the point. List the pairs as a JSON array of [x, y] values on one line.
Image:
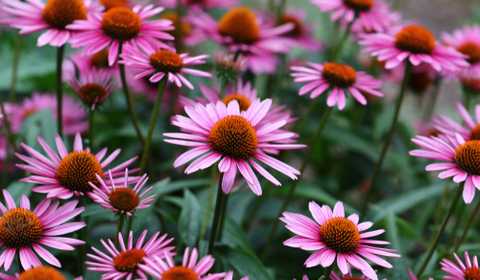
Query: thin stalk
[[161, 89], [20, 267], [280, 9], [82, 236], [10, 136], [60, 52], [130, 224], [437, 83], [378, 166], [209, 203], [321, 126], [16, 58], [328, 270], [338, 49], [178, 28], [438, 216], [129, 100], [306, 117], [458, 194], [222, 219], [455, 227], [216, 216], [467, 228], [5, 171], [224, 89], [121, 221], [91, 127]]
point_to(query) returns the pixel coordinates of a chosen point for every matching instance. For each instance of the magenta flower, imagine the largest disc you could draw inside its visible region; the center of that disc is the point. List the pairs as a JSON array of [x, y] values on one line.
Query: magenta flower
[[79, 64], [229, 276], [93, 87], [302, 35], [121, 24], [467, 41], [380, 18], [127, 263], [447, 126], [23, 231], [340, 78], [334, 276], [190, 268], [335, 237], [41, 272], [69, 174], [414, 43], [223, 133], [164, 63], [203, 4], [33, 15], [460, 271]]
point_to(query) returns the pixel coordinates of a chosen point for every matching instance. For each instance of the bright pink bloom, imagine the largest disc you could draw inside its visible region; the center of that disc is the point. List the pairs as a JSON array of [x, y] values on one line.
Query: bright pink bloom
[[235, 138], [449, 127], [335, 237], [334, 276], [302, 35], [340, 78], [467, 41], [40, 227], [121, 24], [203, 4], [126, 263], [380, 18], [460, 271], [40, 273], [69, 174], [229, 276], [79, 65], [93, 87]]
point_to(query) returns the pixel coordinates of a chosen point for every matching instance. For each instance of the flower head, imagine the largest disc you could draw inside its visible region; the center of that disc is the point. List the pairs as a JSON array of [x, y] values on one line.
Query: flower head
[[449, 127], [467, 41], [37, 273], [121, 24], [127, 262], [203, 4], [340, 78], [81, 65], [235, 138], [66, 174], [335, 237], [93, 87], [470, 79], [23, 231], [415, 44], [227, 68], [229, 276], [348, 276], [189, 270], [460, 271], [302, 33]]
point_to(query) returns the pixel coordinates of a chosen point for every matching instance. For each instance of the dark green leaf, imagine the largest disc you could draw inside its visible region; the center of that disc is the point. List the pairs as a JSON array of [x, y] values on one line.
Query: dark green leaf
[[189, 220]]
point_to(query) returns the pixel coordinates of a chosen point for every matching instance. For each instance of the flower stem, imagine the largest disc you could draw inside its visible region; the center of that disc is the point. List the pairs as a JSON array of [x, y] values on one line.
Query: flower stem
[[121, 221], [457, 224], [329, 269], [224, 89], [467, 228], [386, 143], [209, 203], [161, 89], [458, 194], [60, 51], [222, 219], [129, 101], [338, 49], [20, 267], [10, 136], [437, 83], [130, 224], [438, 216], [178, 27], [216, 215], [321, 126], [82, 236], [91, 127], [16, 58]]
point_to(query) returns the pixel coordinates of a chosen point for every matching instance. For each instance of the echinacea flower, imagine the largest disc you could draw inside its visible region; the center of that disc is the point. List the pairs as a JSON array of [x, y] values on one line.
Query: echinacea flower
[[93, 87], [189, 270], [33, 15], [459, 158], [224, 133], [241, 30], [384, 19], [190, 36], [203, 4], [121, 199], [461, 272], [37, 273], [229, 276], [340, 78], [164, 63], [23, 231], [121, 25], [467, 41], [470, 79], [415, 44], [335, 237], [447, 126], [127, 263], [347, 276], [69, 174], [79, 65], [302, 33], [228, 66]]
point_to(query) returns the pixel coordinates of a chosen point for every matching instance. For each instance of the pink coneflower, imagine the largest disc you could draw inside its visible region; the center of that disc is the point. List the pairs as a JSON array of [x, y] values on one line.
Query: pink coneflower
[[383, 20], [340, 78], [229, 276], [460, 157], [121, 24], [164, 63], [221, 132], [79, 64], [93, 87], [348, 276], [33, 15], [447, 126], [37, 273], [189, 270], [302, 33], [335, 237], [414, 43], [190, 35], [470, 79], [69, 174], [203, 4], [241, 30], [460, 271], [467, 41], [127, 263], [121, 199], [22, 230]]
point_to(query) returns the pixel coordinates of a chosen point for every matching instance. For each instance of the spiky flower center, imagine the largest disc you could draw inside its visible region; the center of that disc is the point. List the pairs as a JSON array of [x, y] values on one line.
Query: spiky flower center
[[352, 278], [420, 81], [20, 227], [240, 24], [100, 59], [77, 169], [124, 199], [234, 136], [467, 157], [179, 273], [128, 260], [41, 273], [472, 273], [166, 61], [60, 13], [340, 234], [242, 100], [92, 93], [173, 16], [415, 39], [475, 134], [121, 23], [338, 74], [298, 26], [471, 50], [192, 2], [358, 5], [108, 4]]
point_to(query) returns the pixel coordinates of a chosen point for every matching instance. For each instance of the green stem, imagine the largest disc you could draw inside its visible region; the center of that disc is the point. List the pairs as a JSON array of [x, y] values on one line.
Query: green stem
[[16, 58], [467, 228], [130, 224], [60, 51], [458, 194], [10, 136], [338, 50], [433, 99], [163, 223], [328, 270], [121, 221], [82, 236], [209, 203], [178, 28], [321, 126], [216, 216], [306, 116], [280, 9], [438, 216], [222, 218], [224, 89], [91, 127], [128, 99], [161, 89], [20, 267], [378, 166], [457, 224]]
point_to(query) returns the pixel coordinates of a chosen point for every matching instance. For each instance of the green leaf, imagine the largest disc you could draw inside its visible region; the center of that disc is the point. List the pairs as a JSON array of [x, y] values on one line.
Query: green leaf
[[142, 215], [236, 234], [189, 220], [393, 237], [182, 184], [245, 263]]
